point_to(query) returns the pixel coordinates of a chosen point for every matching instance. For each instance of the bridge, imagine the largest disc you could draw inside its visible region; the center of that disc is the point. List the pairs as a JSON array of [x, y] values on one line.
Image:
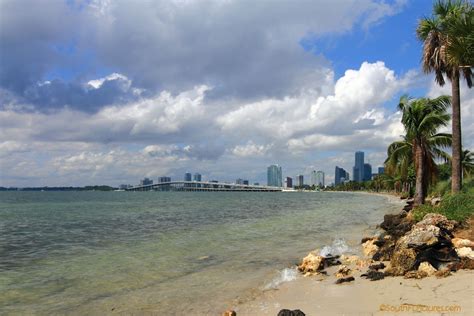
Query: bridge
[[202, 186]]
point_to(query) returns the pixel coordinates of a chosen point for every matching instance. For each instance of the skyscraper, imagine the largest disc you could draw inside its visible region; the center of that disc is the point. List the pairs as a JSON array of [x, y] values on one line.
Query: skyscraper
[[197, 177], [300, 180], [367, 172], [358, 170], [187, 176], [340, 175], [319, 179], [274, 176], [164, 179], [381, 170], [288, 182]]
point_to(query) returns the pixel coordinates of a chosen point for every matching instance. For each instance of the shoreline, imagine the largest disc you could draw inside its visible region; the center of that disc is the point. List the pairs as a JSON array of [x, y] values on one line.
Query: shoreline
[[320, 295]]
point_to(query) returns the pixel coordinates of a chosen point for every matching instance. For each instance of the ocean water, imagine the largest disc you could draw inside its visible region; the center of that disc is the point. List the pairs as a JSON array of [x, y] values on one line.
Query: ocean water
[[172, 253]]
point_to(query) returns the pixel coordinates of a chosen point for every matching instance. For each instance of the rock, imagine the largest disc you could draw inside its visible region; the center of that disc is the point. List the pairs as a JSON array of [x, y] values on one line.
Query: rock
[[229, 313], [421, 236], [311, 263], [287, 312], [435, 201], [344, 280], [465, 252], [443, 273], [415, 275], [377, 267], [437, 220], [403, 260], [386, 246], [349, 259], [331, 261], [342, 272], [466, 263], [427, 268], [439, 255], [396, 225], [373, 275], [460, 242], [369, 248]]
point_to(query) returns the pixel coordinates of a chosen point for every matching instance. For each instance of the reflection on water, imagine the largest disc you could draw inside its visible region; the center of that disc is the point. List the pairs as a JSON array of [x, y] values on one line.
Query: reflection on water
[[173, 252]]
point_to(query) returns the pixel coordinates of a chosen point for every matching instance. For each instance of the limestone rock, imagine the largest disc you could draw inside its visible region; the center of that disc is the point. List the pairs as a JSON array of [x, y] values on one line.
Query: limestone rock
[[369, 248], [421, 236], [427, 268], [443, 273], [229, 313], [287, 312], [343, 271], [311, 263], [437, 220], [373, 275], [465, 252], [344, 280], [403, 260], [396, 224], [460, 242]]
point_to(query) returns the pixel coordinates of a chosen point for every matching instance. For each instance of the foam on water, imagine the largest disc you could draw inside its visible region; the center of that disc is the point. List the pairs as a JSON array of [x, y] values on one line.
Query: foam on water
[[286, 275], [337, 248]]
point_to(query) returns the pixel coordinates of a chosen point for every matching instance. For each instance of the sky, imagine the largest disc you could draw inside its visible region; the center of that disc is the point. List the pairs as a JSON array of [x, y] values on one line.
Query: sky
[[109, 92]]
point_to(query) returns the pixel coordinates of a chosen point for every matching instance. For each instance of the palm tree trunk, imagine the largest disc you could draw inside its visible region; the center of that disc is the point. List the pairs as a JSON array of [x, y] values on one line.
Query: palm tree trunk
[[456, 176], [419, 190]]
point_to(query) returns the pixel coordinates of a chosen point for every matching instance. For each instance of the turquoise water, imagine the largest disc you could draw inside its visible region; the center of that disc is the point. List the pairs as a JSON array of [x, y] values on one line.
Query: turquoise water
[[177, 253]]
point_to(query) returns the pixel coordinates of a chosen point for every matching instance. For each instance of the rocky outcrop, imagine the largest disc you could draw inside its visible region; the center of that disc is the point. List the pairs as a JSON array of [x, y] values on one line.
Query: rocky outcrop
[[229, 313], [396, 225], [403, 260], [465, 252], [311, 263], [461, 242], [369, 248], [427, 268], [343, 272]]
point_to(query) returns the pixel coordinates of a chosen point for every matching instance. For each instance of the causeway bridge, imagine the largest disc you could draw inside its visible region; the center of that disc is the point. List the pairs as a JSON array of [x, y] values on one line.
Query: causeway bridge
[[202, 186]]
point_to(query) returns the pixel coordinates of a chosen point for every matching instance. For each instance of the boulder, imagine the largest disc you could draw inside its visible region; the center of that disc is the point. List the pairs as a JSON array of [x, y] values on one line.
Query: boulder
[[427, 268], [229, 313], [311, 263], [435, 201], [403, 260], [465, 252], [369, 248], [420, 236], [287, 312], [437, 220], [396, 225], [460, 242]]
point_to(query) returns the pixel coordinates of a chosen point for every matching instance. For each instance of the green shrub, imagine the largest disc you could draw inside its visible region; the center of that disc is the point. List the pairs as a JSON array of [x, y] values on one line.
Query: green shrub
[[458, 207], [441, 188]]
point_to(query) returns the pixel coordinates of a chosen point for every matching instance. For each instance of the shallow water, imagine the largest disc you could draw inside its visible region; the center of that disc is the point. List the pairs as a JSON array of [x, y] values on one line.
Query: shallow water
[[162, 252]]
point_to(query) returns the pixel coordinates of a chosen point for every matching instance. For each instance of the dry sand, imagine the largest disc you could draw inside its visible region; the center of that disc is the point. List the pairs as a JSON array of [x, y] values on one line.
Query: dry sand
[[318, 295]]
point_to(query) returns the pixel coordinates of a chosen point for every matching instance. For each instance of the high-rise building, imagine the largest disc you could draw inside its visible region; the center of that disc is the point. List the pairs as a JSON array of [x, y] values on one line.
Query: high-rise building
[[358, 170], [274, 176], [381, 170], [288, 182], [164, 179], [340, 176], [146, 181], [239, 181], [245, 182], [312, 178], [197, 177], [319, 179], [188, 176], [367, 172], [300, 180]]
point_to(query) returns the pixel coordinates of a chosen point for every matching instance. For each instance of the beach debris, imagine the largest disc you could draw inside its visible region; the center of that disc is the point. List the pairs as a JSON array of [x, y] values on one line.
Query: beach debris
[[287, 312], [378, 266], [345, 280], [373, 275], [461, 242], [415, 275], [229, 313], [427, 268], [369, 248], [343, 271], [311, 263]]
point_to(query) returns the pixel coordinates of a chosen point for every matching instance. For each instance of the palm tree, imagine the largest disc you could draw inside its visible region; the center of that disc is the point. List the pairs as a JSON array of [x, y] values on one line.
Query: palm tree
[[467, 162], [448, 50], [422, 144]]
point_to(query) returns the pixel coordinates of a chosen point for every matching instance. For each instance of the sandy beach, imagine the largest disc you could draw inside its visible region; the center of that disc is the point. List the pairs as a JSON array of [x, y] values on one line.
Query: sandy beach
[[319, 295]]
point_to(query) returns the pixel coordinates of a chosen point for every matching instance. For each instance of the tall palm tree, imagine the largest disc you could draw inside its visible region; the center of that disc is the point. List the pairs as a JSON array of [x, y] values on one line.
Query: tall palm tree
[[422, 144], [448, 46]]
